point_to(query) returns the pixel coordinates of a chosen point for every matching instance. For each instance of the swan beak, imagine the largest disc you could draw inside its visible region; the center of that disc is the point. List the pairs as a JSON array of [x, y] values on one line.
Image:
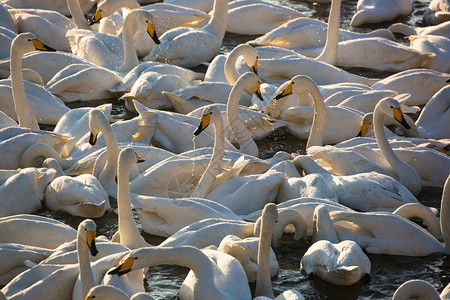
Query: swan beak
[[363, 130], [258, 93], [139, 159], [41, 46], [286, 92], [90, 239], [151, 29], [398, 115], [97, 17], [92, 139], [254, 68], [124, 267], [204, 122]]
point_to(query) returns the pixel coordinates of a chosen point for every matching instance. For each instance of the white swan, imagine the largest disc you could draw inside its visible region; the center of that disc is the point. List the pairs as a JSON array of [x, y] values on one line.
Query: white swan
[[437, 12], [324, 126], [377, 11], [61, 6], [369, 191], [421, 84], [209, 277], [35, 231], [82, 195], [6, 19], [40, 106], [105, 292], [37, 281], [440, 29], [341, 263], [189, 47], [437, 45], [110, 51], [419, 289]]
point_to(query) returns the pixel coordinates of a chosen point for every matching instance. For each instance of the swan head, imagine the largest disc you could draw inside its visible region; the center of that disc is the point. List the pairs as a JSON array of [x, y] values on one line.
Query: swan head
[[104, 292], [249, 54], [210, 114], [86, 230], [296, 85], [365, 125], [27, 42], [391, 107], [145, 20], [128, 156], [96, 117], [252, 83], [125, 265]]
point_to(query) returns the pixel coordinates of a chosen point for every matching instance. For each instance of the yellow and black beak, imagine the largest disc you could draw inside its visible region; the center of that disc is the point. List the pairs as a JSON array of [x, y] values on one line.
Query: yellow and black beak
[[258, 92], [363, 130], [254, 68], [90, 240], [92, 139], [41, 46], [151, 29], [139, 159], [204, 122], [398, 115], [97, 17], [286, 92], [124, 267]]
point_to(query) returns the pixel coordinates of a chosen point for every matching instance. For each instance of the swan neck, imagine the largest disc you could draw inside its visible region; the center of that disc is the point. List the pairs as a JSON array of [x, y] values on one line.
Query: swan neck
[[128, 230], [218, 22], [130, 59], [263, 281], [24, 114], [319, 120], [330, 50], [445, 214], [39, 150], [231, 73], [246, 143], [86, 275], [109, 172], [206, 182], [413, 131], [77, 15], [416, 289]]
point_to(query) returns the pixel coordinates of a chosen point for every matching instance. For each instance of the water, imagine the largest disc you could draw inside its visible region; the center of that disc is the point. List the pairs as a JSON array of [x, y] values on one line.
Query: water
[[388, 272]]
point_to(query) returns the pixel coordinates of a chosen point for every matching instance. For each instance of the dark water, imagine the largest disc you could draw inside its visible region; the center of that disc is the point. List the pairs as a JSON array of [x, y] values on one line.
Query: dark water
[[388, 272]]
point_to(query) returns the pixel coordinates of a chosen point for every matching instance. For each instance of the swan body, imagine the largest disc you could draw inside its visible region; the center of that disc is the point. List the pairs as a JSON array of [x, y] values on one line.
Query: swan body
[[6, 37], [421, 84], [437, 12], [433, 44], [440, 29], [377, 11], [61, 6], [420, 289], [341, 263], [177, 42], [104, 292], [45, 233], [7, 21]]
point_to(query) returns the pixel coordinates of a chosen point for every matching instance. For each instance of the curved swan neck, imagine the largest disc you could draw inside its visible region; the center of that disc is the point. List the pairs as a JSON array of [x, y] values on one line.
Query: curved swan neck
[[24, 114], [44, 151], [231, 73], [330, 50], [320, 113], [109, 172], [130, 59], [212, 170], [445, 214], [86, 275], [246, 143], [77, 15], [128, 230], [416, 289], [218, 22], [323, 228]]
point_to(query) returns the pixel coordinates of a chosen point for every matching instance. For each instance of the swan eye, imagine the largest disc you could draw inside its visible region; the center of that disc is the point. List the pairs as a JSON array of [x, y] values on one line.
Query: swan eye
[[392, 107], [146, 21], [210, 112]]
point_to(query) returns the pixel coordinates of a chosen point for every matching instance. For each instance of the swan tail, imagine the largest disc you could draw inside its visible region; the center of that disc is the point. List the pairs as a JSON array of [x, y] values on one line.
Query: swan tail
[[179, 104], [402, 28]]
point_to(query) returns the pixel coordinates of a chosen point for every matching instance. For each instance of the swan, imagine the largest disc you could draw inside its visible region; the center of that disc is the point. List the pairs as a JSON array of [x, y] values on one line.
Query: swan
[[437, 45], [110, 51], [263, 283], [7, 21], [50, 26], [61, 6], [208, 275], [421, 84], [6, 38], [369, 191], [438, 11], [104, 292], [40, 106], [324, 119], [419, 289], [340, 263], [241, 22], [440, 29], [24, 192], [377, 11], [82, 195], [189, 47], [35, 231], [37, 281], [403, 237]]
